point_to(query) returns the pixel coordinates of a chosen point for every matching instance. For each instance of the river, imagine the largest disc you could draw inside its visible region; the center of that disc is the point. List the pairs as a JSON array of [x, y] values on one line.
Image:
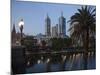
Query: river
[[70, 63]]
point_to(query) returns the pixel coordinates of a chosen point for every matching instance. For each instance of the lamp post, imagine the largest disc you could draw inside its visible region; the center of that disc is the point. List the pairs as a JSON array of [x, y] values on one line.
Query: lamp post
[[21, 24]]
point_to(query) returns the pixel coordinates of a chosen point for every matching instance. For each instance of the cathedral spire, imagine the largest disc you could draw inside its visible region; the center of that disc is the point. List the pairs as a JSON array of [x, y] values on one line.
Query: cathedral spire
[[14, 30]]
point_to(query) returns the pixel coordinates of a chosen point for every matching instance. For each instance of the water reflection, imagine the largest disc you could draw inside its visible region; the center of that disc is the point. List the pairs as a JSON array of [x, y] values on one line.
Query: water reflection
[[39, 61], [66, 63], [48, 60]]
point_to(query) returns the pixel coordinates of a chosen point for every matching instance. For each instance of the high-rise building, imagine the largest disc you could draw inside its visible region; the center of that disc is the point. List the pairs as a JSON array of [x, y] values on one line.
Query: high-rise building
[[47, 26], [55, 31], [62, 26]]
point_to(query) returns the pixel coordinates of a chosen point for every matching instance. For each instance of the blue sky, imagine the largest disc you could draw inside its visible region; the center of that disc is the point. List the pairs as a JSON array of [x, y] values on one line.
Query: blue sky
[[34, 14]]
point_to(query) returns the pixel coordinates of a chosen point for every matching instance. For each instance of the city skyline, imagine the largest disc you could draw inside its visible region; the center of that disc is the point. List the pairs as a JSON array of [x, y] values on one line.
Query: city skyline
[[34, 15], [51, 37]]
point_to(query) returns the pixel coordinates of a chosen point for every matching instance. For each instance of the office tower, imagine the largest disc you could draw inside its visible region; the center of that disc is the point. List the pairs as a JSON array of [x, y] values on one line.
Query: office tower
[[55, 31], [62, 26], [47, 26]]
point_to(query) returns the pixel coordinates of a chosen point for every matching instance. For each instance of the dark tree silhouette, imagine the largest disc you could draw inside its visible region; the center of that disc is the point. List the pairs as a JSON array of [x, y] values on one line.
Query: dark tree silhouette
[[83, 24]]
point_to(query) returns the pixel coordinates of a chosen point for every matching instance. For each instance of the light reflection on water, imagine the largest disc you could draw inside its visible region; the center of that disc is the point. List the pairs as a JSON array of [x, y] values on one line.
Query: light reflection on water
[[39, 61], [74, 62]]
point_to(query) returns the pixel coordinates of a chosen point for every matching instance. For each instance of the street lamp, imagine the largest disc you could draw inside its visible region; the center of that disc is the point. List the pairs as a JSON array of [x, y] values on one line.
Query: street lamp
[[21, 24]]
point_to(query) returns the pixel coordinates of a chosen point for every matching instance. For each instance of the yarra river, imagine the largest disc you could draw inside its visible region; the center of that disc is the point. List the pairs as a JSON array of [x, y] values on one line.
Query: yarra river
[[60, 62]]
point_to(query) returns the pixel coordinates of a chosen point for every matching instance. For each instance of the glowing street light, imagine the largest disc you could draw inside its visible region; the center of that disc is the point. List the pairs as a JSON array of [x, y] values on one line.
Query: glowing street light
[[21, 24]]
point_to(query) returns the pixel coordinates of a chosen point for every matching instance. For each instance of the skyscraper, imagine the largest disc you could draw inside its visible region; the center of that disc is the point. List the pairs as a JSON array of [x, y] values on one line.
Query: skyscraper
[[62, 26], [47, 26], [55, 31]]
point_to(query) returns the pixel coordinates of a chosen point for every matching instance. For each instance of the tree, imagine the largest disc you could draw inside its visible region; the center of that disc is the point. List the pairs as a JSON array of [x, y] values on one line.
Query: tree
[[43, 43], [28, 42], [83, 24], [59, 43], [56, 44]]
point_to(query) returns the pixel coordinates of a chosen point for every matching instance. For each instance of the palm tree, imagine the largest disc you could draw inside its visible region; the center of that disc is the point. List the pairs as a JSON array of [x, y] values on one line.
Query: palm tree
[[82, 24]]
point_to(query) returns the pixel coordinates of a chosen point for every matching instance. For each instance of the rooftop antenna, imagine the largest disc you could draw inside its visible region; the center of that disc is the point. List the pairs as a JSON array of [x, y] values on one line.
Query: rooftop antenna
[[61, 13], [47, 15]]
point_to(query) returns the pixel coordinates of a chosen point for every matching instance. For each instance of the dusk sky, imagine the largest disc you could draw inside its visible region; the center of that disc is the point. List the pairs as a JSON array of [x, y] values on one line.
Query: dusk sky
[[34, 14]]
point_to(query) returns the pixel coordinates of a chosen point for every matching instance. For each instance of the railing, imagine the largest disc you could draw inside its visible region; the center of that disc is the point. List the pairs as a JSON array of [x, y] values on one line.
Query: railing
[[59, 52]]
